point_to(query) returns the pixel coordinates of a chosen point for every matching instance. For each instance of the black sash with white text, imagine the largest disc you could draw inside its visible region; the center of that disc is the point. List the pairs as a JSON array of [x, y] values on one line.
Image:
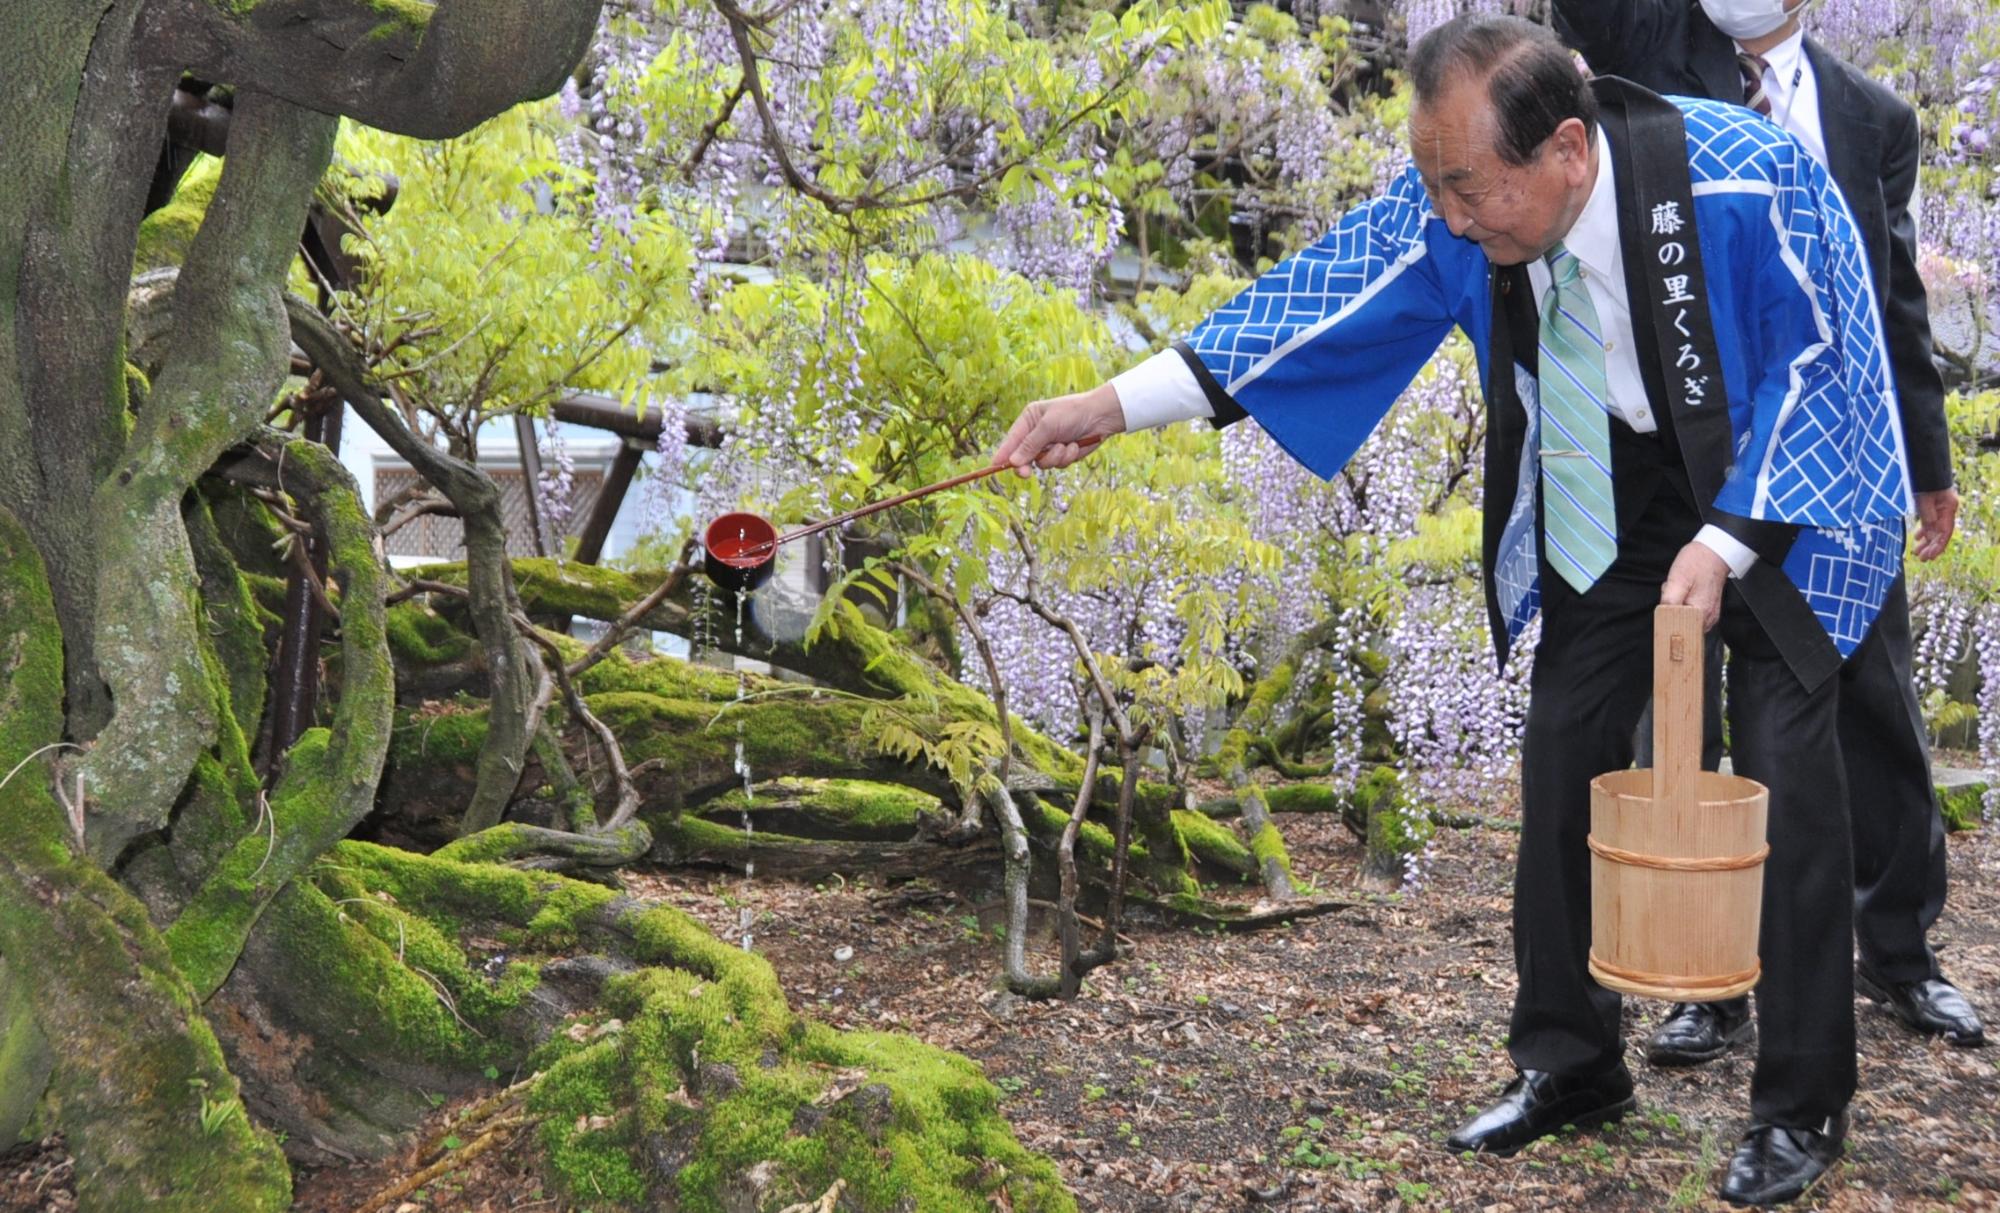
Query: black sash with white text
[[1663, 264]]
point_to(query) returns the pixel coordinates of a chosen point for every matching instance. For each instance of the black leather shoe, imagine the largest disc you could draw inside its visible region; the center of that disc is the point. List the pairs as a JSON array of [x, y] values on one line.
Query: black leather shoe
[[1695, 1032], [1538, 1103], [1932, 1007], [1775, 1164]]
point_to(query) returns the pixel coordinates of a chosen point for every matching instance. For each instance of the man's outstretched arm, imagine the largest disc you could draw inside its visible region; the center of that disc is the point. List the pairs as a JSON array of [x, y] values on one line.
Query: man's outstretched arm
[[1364, 308]]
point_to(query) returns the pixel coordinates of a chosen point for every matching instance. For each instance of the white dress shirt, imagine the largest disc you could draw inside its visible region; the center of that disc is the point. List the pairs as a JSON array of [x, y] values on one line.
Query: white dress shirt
[[1162, 389], [1793, 91]]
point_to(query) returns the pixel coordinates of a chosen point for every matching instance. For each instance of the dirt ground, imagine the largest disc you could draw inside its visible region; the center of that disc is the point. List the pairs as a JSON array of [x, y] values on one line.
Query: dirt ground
[[1312, 1067]]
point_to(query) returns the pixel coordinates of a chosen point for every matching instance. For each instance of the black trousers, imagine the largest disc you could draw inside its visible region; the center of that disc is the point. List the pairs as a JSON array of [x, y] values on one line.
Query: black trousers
[[1899, 847], [1592, 678]]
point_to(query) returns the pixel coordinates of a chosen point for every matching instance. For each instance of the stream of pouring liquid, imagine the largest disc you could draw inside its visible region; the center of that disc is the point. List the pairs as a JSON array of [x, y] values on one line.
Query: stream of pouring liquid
[[744, 915]]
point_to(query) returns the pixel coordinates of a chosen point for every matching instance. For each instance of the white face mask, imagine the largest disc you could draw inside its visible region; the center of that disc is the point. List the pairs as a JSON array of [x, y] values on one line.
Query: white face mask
[[1742, 19]]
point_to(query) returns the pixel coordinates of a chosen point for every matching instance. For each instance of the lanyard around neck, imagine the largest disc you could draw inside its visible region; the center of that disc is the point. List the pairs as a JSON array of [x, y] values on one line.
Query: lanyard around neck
[[1784, 118], [1792, 95]]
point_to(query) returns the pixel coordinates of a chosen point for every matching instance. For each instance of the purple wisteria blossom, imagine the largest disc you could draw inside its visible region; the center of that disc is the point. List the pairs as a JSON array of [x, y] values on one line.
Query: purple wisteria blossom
[[1987, 644], [1421, 16], [555, 491]]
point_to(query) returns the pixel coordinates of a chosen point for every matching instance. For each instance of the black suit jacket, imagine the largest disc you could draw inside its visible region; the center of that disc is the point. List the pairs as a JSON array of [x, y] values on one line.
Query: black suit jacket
[[1872, 144]]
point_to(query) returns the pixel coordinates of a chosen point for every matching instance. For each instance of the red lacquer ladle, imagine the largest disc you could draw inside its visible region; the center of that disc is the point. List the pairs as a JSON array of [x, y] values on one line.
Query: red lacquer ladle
[[741, 550]]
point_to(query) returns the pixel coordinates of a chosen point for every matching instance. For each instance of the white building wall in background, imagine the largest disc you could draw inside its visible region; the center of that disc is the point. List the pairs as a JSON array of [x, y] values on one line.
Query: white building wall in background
[[377, 468]]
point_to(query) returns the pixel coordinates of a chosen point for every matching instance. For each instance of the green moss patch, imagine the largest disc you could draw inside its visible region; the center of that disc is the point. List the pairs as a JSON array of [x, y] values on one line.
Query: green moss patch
[[1963, 806], [421, 637], [1269, 847], [441, 734], [1094, 843], [709, 1087], [1316, 797], [166, 234], [833, 808], [1213, 843], [692, 1079]]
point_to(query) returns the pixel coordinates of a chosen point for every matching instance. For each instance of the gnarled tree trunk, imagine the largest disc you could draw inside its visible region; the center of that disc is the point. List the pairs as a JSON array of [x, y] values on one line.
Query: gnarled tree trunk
[[189, 958], [113, 661]]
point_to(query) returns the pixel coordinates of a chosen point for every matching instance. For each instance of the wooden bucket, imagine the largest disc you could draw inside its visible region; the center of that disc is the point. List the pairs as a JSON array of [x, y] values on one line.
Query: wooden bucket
[[1677, 853]]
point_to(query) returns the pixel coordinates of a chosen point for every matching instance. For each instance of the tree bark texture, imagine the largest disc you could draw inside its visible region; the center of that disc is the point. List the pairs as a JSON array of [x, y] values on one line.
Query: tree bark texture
[[131, 639], [140, 1078]]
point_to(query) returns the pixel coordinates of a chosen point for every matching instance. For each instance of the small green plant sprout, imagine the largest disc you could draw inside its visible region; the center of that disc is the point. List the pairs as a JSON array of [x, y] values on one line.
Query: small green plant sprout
[[215, 1113]]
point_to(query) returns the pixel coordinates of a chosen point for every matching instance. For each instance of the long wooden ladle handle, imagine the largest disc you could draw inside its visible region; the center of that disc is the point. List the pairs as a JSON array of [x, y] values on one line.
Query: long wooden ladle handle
[[1677, 687], [814, 528]]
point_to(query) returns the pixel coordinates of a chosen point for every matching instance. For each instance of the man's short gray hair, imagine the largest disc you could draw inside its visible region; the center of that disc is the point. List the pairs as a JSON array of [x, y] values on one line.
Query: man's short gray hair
[[1531, 78]]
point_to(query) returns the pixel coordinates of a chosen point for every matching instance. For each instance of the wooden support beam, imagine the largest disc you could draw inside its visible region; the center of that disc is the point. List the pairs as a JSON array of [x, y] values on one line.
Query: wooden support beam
[[606, 413], [611, 496], [603, 511], [298, 637], [531, 478]]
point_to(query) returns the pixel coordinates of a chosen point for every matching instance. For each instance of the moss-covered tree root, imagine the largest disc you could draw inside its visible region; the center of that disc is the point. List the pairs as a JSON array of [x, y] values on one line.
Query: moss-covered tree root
[[515, 677], [692, 1085], [684, 718]]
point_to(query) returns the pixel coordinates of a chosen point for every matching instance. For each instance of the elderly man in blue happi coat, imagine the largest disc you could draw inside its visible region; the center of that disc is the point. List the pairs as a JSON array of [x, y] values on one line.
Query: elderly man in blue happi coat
[[1688, 402]]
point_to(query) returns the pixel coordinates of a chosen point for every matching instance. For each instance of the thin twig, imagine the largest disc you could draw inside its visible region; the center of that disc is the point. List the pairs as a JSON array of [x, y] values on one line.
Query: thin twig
[[946, 595], [640, 609], [402, 936], [742, 25], [444, 996], [73, 808], [295, 555], [621, 776], [981, 907], [277, 505], [390, 503], [433, 504], [825, 1204], [422, 585], [53, 745], [451, 1161], [715, 125], [1033, 601], [485, 1109], [265, 814], [1066, 915]]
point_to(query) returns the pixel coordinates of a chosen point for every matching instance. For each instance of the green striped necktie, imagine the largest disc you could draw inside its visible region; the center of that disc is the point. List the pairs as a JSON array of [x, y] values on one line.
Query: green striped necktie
[[1579, 521]]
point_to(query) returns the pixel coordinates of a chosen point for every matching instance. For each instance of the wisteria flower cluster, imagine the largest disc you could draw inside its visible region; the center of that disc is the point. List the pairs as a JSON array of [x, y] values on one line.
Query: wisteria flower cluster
[[919, 218], [555, 491]]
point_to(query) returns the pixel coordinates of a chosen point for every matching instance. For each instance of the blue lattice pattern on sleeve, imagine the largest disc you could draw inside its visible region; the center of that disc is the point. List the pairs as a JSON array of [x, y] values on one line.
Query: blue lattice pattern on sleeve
[[1321, 281]]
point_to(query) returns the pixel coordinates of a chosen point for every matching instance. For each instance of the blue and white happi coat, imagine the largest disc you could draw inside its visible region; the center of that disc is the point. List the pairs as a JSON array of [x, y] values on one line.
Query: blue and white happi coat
[[1319, 348]]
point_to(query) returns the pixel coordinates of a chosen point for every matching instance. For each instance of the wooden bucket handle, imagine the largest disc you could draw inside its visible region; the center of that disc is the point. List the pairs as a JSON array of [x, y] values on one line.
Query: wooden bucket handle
[[1677, 653]]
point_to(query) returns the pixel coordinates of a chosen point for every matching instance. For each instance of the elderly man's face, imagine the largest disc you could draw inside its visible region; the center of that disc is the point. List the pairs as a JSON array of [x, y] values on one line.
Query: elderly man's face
[[1514, 212]]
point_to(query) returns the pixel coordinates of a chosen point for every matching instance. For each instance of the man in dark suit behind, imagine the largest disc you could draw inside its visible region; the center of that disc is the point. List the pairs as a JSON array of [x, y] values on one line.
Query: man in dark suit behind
[[1754, 52]]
